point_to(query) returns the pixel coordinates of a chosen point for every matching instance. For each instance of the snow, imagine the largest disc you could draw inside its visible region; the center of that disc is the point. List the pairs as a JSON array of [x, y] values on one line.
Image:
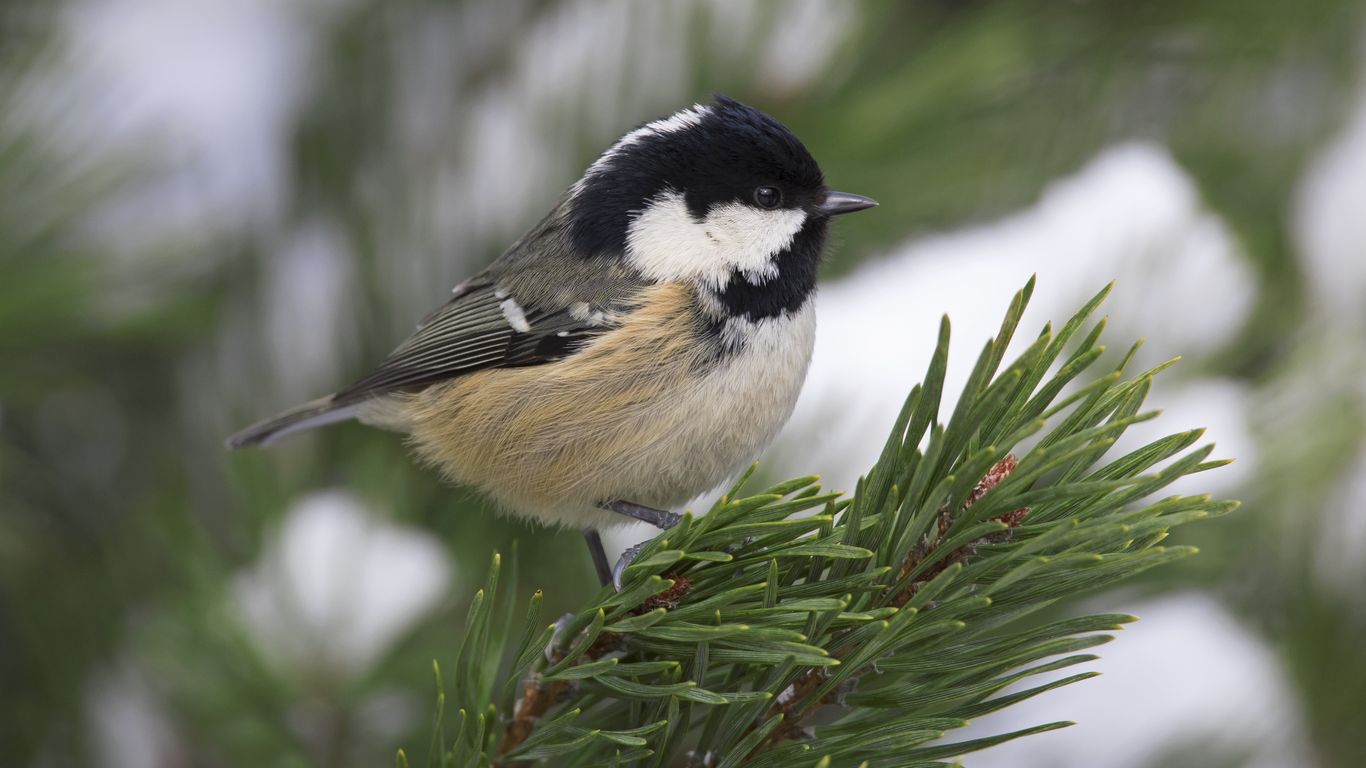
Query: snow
[[337, 586]]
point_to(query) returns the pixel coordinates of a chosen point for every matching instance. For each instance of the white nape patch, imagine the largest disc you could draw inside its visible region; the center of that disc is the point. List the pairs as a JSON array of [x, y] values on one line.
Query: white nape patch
[[666, 243], [681, 119], [516, 318]]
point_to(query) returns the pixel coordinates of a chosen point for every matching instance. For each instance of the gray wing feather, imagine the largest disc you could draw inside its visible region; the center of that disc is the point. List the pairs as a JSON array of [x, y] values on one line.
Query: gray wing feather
[[471, 331], [468, 334]]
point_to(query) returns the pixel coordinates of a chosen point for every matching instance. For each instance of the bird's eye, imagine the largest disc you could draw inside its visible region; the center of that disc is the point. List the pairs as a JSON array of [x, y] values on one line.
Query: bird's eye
[[768, 197]]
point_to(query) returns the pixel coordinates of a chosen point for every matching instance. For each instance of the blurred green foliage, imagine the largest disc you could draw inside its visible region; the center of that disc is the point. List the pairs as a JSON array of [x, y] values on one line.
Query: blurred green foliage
[[122, 521]]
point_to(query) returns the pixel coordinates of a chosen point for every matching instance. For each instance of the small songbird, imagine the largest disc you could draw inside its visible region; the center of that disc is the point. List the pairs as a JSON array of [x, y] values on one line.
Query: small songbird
[[636, 348]]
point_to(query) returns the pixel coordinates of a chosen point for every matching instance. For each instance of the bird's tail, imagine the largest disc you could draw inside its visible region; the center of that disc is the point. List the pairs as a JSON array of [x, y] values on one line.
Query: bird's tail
[[315, 413]]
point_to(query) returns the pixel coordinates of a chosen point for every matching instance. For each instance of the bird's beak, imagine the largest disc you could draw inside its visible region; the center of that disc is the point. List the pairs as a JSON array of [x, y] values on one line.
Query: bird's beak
[[844, 202]]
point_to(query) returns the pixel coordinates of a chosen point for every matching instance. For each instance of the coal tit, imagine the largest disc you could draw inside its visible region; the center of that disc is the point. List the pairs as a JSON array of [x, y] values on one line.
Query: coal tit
[[636, 348]]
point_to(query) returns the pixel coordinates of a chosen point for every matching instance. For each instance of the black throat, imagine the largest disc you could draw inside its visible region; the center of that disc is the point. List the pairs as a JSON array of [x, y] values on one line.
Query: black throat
[[786, 291]]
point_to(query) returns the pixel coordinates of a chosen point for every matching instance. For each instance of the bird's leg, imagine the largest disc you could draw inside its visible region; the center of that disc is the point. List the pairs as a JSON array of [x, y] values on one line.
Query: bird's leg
[[594, 540], [659, 518]]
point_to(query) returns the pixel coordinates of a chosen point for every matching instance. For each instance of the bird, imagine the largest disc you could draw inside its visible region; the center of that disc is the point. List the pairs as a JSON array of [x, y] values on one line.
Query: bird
[[638, 347]]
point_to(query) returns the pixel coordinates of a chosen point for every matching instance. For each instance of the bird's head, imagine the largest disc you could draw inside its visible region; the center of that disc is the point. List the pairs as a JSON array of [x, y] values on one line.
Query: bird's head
[[719, 195]]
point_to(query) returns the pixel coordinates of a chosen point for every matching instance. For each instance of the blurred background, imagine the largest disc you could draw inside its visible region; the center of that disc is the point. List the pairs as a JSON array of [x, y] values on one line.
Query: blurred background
[[213, 209]]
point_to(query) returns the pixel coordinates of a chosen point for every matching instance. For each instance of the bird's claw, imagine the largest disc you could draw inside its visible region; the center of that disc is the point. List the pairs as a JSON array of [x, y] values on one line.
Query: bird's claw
[[623, 562]]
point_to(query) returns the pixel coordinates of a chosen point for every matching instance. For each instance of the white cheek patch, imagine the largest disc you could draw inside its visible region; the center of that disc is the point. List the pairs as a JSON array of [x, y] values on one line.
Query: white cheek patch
[[750, 237], [666, 243]]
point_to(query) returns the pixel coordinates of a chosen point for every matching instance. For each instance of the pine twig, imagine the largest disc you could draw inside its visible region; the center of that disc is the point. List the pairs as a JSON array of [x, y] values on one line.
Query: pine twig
[[791, 727]]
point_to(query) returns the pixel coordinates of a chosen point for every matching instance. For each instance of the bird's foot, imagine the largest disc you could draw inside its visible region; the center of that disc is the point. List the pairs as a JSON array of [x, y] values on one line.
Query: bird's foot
[[659, 518]]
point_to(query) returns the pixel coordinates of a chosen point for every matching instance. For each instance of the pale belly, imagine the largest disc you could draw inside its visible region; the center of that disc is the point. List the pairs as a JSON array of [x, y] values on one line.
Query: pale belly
[[635, 417], [722, 422]]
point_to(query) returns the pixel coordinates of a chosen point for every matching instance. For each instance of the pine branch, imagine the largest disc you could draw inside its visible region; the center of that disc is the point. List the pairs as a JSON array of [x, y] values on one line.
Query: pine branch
[[897, 614], [790, 727]]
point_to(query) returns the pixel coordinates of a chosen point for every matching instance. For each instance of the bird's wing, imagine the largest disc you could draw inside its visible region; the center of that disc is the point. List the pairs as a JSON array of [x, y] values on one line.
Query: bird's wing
[[483, 326]]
